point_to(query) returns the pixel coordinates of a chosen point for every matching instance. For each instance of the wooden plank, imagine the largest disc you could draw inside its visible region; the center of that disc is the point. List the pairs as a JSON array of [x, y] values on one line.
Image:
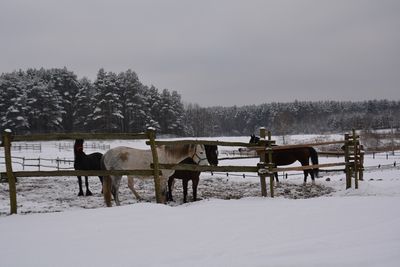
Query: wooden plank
[[281, 147], [82, 173], [203, 168], [308, 167], [331, 153], [204, 142], [261, 164], [355, 152], [270, 165], [11, 177], [160, 198], [73, 136]]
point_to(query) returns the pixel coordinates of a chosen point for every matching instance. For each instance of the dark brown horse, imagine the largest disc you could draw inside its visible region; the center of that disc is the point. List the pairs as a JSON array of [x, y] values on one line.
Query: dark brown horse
[[186, 176], [85, 162], [288, 156]]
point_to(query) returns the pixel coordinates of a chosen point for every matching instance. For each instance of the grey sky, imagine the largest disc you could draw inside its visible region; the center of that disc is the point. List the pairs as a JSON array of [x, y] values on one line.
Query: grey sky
[[215, 52]]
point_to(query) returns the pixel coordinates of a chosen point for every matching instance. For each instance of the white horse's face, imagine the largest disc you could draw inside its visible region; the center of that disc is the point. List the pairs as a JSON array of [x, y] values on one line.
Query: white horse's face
[[200, 156]]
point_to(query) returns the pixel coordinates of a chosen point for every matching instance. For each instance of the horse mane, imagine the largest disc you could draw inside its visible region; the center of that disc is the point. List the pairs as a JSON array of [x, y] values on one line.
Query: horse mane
[[178, 150]]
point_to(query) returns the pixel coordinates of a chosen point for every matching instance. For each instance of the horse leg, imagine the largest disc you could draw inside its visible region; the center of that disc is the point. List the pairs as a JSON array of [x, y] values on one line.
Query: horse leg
[[130, 185], [88, 193], [101, 180], [276, 177], [312, 176], [116, 180], [195, 183], [185, 189], [171, 182], [305, 177], [305, 171], [80, 186]]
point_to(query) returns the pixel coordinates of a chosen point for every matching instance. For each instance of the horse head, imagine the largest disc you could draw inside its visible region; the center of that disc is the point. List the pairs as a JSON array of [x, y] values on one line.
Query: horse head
[[200, 155], [212, 154], [78, 146], [254, 139]]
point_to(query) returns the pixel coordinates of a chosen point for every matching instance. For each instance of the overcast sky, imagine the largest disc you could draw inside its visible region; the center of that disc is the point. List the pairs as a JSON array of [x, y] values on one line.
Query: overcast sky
[[215, 52]]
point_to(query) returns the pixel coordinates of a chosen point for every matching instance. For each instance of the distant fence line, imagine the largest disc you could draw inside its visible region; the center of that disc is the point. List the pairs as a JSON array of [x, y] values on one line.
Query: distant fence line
[[59, 145], [86, 145], [39, 162], [27, 146]]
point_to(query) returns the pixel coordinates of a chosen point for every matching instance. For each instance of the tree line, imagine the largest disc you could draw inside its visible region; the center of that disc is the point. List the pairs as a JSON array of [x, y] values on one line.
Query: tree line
[[55, 100]]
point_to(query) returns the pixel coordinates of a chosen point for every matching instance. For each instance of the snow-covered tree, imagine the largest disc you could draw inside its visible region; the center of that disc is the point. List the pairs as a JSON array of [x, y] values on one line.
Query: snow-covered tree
[[132, 102], [107, 114], [152, 106], [13, 105], [45, 112], [66, 84], [84, 106], [171, 112]]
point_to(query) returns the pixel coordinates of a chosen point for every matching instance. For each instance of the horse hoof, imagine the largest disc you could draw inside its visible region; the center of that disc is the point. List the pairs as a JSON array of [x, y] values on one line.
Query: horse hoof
[[80, 194], [88, 193]]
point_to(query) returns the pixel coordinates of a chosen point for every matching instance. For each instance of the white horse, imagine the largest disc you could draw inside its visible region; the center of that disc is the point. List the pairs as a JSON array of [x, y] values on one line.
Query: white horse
[[126, 158]]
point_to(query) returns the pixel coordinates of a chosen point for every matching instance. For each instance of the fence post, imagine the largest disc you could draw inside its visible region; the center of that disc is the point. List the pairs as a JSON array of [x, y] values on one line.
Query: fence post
[[347, 160], [270, 165], [261, 164], [361, 167], [160, 197], [10, 175], [356, 145]]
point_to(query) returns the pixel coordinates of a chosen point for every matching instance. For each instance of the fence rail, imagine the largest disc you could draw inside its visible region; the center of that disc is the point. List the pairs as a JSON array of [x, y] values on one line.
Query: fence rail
[[72, 136]]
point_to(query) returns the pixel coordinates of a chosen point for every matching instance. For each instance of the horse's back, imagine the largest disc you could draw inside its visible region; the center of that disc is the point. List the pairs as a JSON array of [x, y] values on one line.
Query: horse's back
[[122, 157], [290, 155], [185, 174]]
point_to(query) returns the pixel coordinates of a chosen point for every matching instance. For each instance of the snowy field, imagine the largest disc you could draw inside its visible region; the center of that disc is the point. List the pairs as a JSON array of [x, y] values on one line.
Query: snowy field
[[322, 225]]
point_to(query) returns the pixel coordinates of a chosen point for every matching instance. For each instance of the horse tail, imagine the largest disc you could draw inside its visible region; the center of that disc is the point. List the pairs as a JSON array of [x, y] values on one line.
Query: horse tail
[[314, 159], [107, 184]]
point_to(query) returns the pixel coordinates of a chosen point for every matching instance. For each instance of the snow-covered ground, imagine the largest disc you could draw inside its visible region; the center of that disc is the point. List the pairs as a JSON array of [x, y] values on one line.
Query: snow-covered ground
[[322, 225]]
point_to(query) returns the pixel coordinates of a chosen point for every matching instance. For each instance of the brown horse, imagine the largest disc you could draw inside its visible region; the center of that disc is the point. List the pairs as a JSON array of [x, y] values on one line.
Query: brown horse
[[288, 156], [186, 176]]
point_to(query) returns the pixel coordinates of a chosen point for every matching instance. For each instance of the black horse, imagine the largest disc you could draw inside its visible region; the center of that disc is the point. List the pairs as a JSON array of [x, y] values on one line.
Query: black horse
[[288, 156], [186, 176], [85, 162]]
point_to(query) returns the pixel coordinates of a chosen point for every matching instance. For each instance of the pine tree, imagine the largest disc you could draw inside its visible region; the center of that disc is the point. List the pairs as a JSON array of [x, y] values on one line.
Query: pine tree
[[152, 104], [107, 113], [13, 106], [131, 98], [84, 106], [44, 117], [66, 84]]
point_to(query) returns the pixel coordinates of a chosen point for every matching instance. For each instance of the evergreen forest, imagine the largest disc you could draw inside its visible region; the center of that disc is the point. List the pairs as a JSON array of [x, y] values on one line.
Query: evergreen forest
[[55, 100]]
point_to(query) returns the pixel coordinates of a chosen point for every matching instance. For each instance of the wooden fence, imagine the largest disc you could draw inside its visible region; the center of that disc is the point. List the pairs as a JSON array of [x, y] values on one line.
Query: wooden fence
[[265, 167]]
